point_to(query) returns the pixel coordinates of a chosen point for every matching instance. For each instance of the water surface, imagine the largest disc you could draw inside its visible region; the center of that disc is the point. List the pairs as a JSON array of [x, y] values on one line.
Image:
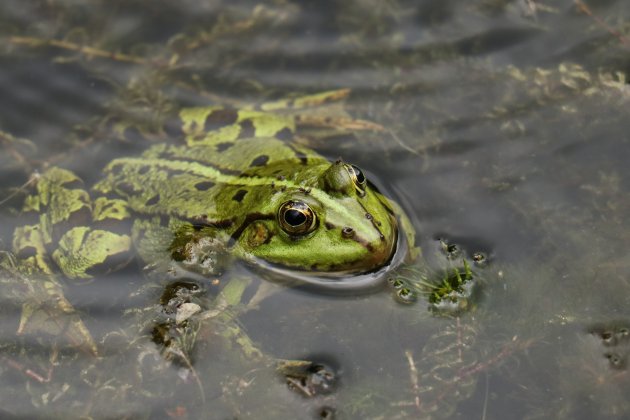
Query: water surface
[[506, 132]]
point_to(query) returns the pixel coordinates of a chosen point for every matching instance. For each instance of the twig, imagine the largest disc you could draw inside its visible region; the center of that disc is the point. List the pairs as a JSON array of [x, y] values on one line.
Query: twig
[[191, 369], [8, 140], [413, 377], [402, 143], [66, 45], [460, 343], [484, 413], [29, 372], [32, 179], [585, 9]]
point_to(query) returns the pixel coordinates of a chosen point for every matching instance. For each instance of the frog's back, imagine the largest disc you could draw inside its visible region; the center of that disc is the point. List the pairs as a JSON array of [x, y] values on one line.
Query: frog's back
[[213, 182]]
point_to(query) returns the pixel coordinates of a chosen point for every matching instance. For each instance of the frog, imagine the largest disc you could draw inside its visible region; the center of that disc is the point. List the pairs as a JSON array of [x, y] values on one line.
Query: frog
[[238, 184], [225, 183]]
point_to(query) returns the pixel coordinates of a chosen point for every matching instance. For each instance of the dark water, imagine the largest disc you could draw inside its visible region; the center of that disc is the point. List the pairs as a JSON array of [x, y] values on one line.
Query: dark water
[[507, 133]]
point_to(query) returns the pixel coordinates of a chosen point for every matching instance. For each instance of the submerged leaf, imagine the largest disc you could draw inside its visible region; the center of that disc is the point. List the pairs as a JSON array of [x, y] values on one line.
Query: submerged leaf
[[45, 309]]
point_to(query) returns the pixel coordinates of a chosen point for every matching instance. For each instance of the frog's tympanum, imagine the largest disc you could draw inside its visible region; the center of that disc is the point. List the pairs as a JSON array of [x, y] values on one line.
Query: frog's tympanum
[[226, 182]]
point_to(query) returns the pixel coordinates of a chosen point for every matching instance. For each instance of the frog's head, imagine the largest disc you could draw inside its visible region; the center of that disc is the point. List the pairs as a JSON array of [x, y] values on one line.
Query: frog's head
[[334, 223]]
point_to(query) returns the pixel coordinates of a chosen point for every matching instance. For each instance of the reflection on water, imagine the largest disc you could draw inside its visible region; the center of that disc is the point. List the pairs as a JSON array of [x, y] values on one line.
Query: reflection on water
[[504, 134]]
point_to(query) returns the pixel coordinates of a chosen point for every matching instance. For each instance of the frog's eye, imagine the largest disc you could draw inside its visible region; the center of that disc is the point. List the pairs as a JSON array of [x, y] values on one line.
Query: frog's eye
[[358, 179], [296, 218]]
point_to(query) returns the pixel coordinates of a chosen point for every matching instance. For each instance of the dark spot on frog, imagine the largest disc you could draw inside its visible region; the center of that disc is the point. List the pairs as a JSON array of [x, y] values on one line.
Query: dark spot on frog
[[27, 252], [281, 178], [368, 216], [204, 185], [113, 225], [247, 129], [143, 170], [269, 236], [249, 219], [199, 136], [127, 188], [240, 194], [111, 262], [31, 217], [222, 147], [79, 217], [202, 221], [285, 134], [116, 168], [259, 161], [329, 225], [153, 200], [223, 224], [220, 118]]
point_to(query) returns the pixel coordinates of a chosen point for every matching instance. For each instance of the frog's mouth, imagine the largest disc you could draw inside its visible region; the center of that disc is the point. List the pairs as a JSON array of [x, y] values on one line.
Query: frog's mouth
[[338, 282]]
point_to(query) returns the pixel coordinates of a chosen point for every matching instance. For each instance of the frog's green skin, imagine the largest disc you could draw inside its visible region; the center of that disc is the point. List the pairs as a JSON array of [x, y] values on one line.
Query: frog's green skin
[[220, 191]]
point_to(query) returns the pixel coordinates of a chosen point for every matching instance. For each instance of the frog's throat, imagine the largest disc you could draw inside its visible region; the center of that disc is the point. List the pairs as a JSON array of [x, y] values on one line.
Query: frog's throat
[[339, 282]]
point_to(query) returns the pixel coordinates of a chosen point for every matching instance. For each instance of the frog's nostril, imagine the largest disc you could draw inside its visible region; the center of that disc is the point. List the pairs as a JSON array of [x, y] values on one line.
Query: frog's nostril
[[347, 232]]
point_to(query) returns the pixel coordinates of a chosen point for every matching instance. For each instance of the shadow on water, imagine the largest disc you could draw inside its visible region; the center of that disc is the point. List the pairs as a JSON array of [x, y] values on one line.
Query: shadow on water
[[504, 133]]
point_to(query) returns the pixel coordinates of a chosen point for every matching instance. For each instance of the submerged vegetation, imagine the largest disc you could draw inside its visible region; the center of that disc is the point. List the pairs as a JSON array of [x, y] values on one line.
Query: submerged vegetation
[[449, 291]]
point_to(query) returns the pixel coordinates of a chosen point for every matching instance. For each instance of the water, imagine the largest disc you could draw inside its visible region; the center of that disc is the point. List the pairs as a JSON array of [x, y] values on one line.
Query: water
[[506, 133]]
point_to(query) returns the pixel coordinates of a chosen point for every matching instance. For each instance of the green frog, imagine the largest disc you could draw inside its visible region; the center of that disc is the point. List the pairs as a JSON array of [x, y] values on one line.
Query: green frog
[[224, 183]]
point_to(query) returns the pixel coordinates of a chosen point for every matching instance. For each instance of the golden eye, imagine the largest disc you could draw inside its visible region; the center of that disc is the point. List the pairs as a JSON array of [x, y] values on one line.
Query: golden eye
[[296, 218], [358, 179]]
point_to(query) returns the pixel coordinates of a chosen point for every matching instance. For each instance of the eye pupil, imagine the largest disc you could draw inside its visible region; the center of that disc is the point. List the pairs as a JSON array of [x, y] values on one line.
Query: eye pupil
[[358, 179], [294, 217], [358, 173]]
